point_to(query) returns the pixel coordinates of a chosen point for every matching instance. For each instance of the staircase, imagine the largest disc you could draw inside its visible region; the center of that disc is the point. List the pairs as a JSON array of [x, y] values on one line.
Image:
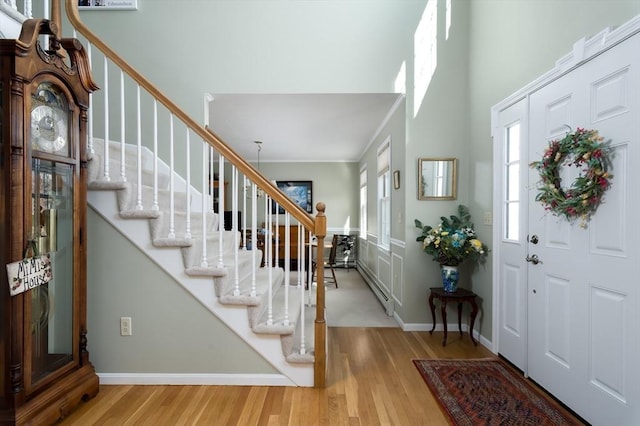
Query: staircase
[[276, 308], [137, 188]]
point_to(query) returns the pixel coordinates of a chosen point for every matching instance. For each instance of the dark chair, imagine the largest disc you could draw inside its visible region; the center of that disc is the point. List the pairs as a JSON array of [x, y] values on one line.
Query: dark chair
[[329, 262]]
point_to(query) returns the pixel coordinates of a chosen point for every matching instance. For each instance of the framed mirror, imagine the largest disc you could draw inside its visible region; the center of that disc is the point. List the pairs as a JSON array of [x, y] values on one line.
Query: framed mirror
[[437, 178]]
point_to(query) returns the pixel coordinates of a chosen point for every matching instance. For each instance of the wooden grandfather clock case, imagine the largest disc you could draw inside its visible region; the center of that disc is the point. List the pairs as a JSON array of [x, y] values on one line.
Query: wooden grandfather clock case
[[45, 82]]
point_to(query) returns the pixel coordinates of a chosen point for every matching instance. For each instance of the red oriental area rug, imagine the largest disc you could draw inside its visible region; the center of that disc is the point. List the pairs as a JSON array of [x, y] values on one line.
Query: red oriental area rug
[[488, 392]]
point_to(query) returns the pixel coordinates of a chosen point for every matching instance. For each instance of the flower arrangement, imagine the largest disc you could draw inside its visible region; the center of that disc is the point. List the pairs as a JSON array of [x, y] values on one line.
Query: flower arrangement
[[453, 241], [583, 149]]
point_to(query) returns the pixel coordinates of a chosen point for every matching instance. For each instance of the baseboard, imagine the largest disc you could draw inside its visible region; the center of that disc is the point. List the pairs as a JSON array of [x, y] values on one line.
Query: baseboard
[[452, 328], [194, 379]]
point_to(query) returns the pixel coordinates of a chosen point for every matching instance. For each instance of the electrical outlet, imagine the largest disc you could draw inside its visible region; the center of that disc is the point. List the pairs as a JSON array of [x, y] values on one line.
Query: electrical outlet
[[125, 326]]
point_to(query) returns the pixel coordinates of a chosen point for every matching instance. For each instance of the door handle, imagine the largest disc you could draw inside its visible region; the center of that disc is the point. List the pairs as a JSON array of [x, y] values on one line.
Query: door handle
[[533, 259]]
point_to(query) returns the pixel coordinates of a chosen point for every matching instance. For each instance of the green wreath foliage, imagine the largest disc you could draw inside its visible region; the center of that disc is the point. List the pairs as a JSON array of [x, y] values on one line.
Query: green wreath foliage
[[583, 149]]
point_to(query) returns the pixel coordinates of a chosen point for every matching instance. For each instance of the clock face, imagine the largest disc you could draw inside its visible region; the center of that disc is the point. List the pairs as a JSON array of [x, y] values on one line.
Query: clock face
[[49, 120]]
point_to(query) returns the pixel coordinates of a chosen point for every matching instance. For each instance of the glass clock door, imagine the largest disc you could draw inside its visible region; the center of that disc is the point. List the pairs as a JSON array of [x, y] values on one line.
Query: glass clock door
[[51, 305]]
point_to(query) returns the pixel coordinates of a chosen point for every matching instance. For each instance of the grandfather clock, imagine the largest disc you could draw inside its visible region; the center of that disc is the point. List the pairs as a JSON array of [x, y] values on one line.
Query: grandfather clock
[[45, 83]]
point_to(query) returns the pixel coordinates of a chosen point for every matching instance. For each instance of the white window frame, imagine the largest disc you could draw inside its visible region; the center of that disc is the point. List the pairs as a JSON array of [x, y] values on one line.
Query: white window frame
[[511, 198], [363, 203], [384, 194]]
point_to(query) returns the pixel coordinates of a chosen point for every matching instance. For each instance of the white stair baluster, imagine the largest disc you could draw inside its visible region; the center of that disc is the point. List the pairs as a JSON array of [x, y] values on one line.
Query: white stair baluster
[[276, 249], [244, 216], [154, 206], [105, 92], [234, 227], [211, 180], [204, 208], [90, 118], [187, 231], [172, 218], [267, 213], [287, 266], [310, 269], [139, 146], [123, 172], [220, 208], [254, 237]]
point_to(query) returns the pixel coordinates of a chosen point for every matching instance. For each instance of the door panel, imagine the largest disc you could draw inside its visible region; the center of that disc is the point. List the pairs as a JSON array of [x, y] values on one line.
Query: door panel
[[583, 305]]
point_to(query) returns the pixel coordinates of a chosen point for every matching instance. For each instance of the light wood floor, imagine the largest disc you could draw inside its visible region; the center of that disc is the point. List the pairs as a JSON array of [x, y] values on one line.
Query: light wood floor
[[371, 381]]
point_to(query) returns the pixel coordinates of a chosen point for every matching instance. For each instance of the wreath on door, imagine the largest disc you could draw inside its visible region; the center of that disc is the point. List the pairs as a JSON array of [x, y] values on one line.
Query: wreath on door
[[583, 149]]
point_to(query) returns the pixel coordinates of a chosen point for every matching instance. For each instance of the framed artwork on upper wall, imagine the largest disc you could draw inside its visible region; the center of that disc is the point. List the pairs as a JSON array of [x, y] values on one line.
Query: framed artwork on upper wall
[[108, 4], [300, 192]]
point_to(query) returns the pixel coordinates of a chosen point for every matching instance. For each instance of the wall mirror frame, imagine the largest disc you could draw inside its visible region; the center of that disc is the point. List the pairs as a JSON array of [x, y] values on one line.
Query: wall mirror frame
[[437, 178]]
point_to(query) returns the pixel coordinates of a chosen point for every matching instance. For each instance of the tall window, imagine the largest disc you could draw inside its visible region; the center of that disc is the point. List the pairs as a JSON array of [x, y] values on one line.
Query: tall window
[[425, 57], [384, 194], [512, 184], [363, 203]]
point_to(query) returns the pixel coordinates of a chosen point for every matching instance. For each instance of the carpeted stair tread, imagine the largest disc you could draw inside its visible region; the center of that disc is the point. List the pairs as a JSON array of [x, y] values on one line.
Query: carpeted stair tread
[[193, 258], [106, 185], [247, 295], [128, 198], [97, 169], [282, 322], [160, 228], [292, 345]]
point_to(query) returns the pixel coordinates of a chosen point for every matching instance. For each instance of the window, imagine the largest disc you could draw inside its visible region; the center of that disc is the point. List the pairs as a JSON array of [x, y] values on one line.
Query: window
[[425, 57], [384, 191], [512, 182], [363, 203]]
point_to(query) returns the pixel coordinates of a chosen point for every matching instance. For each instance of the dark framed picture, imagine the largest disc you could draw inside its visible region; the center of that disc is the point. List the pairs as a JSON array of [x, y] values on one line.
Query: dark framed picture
[[300, 191]]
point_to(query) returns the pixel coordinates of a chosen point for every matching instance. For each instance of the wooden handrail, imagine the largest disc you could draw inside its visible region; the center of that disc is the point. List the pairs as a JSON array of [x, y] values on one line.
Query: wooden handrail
[[204, 132]]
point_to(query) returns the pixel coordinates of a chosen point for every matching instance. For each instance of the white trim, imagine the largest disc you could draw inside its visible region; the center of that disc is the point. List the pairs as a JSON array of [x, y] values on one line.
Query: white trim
[[400, 273], [398, 243], [194, 379]]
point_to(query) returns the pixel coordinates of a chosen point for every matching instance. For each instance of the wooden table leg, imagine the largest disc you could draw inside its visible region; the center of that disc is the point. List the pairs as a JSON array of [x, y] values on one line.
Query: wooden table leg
[[433, 312], [444, 321], [474, 312], [460, 318]]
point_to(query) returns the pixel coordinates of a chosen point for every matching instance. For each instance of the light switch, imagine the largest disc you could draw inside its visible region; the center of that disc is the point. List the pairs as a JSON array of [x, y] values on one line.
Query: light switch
[[488, 218]]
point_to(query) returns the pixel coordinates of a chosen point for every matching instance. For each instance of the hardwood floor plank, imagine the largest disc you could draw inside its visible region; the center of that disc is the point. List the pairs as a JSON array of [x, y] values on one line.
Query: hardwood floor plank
[[371, 380]]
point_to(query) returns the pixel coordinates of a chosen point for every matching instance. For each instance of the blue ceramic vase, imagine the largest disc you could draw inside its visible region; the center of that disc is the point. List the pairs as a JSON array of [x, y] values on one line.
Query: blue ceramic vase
[[450, 276]]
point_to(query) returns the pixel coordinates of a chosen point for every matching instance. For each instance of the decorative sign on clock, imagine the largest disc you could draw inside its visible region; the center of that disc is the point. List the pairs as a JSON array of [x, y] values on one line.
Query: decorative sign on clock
[[29, 273]]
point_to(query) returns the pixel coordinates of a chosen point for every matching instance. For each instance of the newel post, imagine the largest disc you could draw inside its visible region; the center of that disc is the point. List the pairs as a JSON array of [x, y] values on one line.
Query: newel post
[[320, 367]]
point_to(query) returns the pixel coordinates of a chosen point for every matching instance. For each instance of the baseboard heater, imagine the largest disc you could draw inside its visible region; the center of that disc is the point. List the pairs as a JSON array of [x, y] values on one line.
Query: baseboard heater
[[377, 290]]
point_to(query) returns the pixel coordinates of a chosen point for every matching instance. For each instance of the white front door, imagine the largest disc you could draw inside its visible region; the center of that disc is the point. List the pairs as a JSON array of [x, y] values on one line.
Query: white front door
[[583, 296]]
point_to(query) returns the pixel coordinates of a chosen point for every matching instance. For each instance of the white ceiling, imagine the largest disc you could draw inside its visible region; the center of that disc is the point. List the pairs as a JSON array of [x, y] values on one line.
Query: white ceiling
[[300, 127]]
